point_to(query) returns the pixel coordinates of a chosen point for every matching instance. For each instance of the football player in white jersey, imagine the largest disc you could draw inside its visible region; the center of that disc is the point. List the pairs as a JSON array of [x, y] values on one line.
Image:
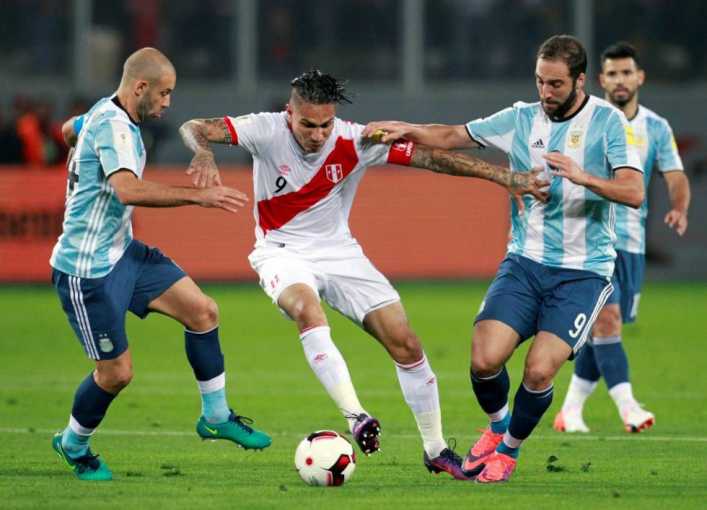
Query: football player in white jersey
[[556, 275], [604, 356], [307, 166], [100, 272]]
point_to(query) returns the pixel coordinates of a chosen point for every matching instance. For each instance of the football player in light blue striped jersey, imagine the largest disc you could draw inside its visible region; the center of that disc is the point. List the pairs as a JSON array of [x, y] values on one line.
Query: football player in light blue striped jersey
[[100, 272], [556, 276], [621, 77]]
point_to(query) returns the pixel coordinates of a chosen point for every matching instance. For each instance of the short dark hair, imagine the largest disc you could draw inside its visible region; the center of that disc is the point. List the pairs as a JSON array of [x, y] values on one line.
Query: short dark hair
[[316, 87], [621, 49], [569, 50]]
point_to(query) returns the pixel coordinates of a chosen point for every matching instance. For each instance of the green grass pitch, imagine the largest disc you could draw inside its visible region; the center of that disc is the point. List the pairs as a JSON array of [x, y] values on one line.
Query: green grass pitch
[[148, 437]]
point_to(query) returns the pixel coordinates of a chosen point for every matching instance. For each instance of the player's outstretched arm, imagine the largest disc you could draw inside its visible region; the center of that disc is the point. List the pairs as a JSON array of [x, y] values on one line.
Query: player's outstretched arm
[[679, 193], [196, 135], [463, 165], [68, 133], [625, 188], [133, 191], [441, 136]]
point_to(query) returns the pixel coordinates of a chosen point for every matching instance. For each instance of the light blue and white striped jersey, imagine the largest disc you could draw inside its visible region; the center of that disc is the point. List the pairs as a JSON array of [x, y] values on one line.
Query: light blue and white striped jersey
[[575, 229], [656, 146], [97, 227]]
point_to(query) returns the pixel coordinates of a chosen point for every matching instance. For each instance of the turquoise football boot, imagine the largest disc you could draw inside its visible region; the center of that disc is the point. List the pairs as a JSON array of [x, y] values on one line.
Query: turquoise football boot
[[87, 467], [235, 429]]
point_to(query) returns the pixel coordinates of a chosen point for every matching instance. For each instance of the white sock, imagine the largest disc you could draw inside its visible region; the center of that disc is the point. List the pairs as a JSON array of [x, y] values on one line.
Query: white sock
[[419, 386], [622, 394], [499, 415], [577, 394], [510, 441], [330, 368]]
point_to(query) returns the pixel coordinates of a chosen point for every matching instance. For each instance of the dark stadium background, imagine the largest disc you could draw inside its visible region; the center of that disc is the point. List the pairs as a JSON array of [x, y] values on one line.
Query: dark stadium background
[[425, 61]]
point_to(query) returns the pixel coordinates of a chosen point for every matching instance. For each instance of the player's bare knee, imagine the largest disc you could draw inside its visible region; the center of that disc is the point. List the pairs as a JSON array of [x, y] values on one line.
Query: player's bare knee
[[608, 323], [406, 347], [210, 313], [483, 361], [123, 378], [538, 376], [307, 315], [204, 314], [115, 377], [485, 366]]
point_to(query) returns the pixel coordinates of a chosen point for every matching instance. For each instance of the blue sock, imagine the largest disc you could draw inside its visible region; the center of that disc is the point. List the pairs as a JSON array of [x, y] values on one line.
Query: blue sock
[[206, 359], [492, 394], [75, 445], [204, 354], [612, 360], [214, 406], [528, 408], [585, 365], [500, 426], [507, 450], [90, 405]]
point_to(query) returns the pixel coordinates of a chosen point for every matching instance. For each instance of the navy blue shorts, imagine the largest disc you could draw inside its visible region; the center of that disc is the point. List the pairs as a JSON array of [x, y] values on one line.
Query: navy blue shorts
[[531, 297], [627, 281], [96, 307]]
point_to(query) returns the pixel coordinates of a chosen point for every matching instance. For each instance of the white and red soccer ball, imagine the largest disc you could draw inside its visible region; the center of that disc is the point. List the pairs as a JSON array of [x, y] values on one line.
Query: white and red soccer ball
[[325, 458]]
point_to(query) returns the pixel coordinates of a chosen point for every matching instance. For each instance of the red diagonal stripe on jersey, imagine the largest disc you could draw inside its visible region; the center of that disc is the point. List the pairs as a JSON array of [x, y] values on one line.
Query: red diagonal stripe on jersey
[[277, 211], [231, 130]]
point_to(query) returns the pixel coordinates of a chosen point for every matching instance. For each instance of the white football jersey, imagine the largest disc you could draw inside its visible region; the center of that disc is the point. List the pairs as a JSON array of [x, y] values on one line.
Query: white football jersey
[[305, 198]]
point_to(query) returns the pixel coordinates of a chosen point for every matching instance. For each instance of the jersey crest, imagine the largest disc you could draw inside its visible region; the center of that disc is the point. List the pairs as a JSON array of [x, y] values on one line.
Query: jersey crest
[[334, 172], [276, 211]]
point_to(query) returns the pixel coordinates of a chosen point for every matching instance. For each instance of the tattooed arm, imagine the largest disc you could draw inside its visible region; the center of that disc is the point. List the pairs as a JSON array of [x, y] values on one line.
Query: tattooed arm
[[196, 135], [463, 165]]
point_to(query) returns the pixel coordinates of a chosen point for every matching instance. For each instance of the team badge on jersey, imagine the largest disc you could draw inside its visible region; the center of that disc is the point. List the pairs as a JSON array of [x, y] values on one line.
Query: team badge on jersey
[[575, 139], [334, 172]]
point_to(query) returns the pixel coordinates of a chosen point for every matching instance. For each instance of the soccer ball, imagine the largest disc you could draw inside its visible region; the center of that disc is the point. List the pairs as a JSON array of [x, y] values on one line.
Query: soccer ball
[[325, 458]]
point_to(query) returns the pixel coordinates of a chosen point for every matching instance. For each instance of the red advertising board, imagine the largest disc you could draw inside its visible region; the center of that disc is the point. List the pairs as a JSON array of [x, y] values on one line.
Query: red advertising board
[[411, 223]]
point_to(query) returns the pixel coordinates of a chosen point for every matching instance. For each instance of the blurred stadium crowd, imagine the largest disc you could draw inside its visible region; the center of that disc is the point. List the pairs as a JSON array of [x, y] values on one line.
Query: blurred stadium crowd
[[476, 43], [463, 39], [30, 131]]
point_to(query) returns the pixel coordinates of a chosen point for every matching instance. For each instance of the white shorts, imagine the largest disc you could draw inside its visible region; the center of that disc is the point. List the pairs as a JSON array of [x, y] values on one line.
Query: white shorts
[[341, 275]]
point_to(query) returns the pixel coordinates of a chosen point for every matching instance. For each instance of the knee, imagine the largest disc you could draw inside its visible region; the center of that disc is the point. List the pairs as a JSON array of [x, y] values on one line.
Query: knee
[[405, 346], [483, 366], [608, 323], [483, 361], [538, 376], [204, 314], [307, 314], [114, 378]]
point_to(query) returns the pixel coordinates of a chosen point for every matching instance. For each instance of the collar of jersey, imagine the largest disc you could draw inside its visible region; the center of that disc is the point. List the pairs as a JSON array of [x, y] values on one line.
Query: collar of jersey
[[117, 103]]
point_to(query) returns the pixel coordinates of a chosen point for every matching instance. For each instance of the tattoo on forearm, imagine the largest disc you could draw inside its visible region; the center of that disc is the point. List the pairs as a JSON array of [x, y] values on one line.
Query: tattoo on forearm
[[193, 137], [455, 163], [198, 133], [218, 125]]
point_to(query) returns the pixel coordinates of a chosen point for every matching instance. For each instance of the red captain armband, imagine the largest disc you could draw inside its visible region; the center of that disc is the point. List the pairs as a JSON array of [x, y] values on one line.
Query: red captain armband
[[231, 130], [400, 152]]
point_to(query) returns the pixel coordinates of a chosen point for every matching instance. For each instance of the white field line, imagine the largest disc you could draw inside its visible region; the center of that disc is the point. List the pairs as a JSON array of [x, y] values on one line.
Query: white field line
[[170, 389], [558, 437]]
